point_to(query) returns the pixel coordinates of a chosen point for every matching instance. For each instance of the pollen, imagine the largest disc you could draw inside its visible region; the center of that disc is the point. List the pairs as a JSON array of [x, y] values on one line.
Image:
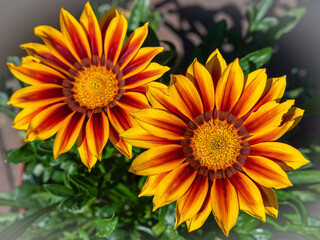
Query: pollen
[[216, 144], [94, 87]]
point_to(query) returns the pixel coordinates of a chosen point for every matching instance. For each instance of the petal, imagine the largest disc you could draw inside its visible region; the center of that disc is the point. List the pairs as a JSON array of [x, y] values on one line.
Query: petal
[[216, 66], [149, 187], [249, 196], [47, 122], [37, 96], [86, 156], [119, 119], [224, 203], [269, 115], [191, 202], [36, 73], [75, 35], [229, 87], [199, 219], [184, 94], [266, 172], [292, 118], [174, 185], [141, 60], [160, 123], [90, 23], [157, 160], [106, 19], [97, 133], [43, 53], [270, 201], [204, 85], [132, 45], [56, 43], [68, 133], [273, 91], [139, 137], [280, 153], [255, 85], [152, 72], [133, 101], [25, 116], [122, 146], [158, 98], [115, 35]]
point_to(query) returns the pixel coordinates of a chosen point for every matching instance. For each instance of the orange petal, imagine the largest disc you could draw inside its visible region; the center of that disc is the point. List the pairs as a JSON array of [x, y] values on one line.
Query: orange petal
[[56, 43], [224, 203], [122, 146], [75, 35], [249, 196], [280, 153], [158, 98], [216, 66], [42, 52], [191, 202], [185, 95], [68, 133], [132, 45], [266, 172], [115, 35], [86, 156], [268, 116], [160, 123], [152, 72], [174, 185], [25, 116], [229, 87], [90, 24], [152, 182], [204, 85], [199, 219], [36, 73], [157, 160], [270, 201], [133, 101], [120, 119], [47, 122], [292, 118], [139, 137], [140, 61], [97, 133], [255, 85], [106, 19], [37, 96]]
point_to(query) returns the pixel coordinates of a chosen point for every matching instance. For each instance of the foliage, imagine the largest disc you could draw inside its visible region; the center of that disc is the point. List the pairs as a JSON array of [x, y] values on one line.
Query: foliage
[[60, 199]]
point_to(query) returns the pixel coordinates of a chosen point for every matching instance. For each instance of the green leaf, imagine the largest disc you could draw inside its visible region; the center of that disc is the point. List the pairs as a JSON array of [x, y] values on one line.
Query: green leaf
[[84, 184], [75, 204], [263, 8], [305, 196], [16, 229], [261, 234], [139, 13], [25, 153], [105, 226], [266, 23], [255, 60], [59, 190], [304, 177]]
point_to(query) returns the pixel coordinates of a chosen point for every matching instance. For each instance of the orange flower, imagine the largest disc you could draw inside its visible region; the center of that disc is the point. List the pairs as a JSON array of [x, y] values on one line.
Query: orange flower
[[84, 83], [210, 139]]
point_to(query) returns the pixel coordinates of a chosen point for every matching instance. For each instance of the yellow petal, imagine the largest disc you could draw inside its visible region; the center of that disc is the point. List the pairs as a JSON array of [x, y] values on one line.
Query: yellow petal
[[152, 182], [25, 116], [216, 65], [269, 200], [106, 19], [122, 146]]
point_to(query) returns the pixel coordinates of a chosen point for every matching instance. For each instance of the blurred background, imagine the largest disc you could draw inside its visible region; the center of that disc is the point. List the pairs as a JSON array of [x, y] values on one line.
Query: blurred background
[[185, 23]]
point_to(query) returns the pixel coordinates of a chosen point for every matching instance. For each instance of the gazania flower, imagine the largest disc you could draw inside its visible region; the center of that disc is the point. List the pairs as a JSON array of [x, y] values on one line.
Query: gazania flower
[[84, 83], [210, 138]]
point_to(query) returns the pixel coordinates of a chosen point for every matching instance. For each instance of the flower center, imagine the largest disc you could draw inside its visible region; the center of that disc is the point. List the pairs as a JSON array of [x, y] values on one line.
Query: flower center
[[216, 144], [94, 87]]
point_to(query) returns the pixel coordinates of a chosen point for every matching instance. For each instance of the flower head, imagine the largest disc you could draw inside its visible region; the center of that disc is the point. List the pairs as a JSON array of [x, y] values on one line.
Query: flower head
[[85, 80], [210, 138]]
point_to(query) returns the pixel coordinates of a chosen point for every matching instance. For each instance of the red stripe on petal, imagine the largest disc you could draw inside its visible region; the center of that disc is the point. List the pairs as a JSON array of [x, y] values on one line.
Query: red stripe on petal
[[133, 101], [122, 146]]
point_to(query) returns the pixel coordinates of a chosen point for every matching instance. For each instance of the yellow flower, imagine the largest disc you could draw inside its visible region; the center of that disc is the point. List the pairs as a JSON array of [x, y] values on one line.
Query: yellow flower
[[210, 139], [85, 81]]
